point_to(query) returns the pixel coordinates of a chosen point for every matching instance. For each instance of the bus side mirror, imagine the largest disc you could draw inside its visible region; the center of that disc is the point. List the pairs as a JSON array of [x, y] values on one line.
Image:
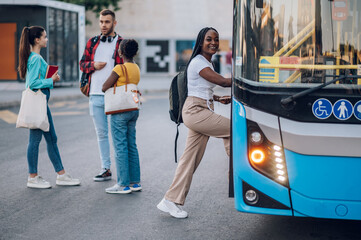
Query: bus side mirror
[[259, 3]]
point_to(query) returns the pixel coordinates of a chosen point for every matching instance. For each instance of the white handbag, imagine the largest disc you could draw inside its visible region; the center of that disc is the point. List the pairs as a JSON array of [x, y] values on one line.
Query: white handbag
[[122, 98], [33, 111]]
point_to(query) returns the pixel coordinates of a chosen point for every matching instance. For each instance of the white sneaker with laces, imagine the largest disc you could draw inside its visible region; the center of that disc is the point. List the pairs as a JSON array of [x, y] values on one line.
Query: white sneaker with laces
[[118, 189], [173, 209], [66, 180], [37, 182]]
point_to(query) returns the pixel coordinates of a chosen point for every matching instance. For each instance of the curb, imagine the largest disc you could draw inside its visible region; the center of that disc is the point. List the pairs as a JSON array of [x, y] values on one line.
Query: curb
[[16, 103]]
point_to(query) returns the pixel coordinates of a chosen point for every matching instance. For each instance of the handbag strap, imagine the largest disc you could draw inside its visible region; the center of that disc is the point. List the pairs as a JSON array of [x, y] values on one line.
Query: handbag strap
[[125, 73]]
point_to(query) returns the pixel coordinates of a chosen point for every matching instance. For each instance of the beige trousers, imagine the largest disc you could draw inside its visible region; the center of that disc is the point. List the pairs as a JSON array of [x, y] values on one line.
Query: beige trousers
[[202, 124]]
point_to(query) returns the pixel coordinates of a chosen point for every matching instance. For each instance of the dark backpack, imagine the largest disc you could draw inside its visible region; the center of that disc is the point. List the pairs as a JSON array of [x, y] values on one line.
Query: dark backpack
[[178, 93]]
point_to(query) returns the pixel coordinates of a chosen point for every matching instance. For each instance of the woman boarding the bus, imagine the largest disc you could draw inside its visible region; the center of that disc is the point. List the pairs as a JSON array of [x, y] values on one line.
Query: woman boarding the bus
[[199, 117], [33, 68]]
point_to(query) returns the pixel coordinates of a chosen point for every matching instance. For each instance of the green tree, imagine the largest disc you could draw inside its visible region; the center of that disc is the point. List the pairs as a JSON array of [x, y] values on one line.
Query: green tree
[[95, 5]]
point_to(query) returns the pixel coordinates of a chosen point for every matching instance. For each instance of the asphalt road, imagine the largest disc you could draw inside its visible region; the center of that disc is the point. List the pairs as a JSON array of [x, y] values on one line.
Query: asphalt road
[[87, 212]]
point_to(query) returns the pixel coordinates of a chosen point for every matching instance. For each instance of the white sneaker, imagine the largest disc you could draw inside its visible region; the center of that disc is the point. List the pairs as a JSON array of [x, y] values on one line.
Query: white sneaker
[[118, 189], [37, 182], [173, 209], [66, 180]]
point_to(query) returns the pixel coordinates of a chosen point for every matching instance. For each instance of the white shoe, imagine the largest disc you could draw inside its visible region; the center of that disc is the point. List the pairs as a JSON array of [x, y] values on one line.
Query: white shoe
[[173, 209], [66, 180], [37, 182], [118, 189]]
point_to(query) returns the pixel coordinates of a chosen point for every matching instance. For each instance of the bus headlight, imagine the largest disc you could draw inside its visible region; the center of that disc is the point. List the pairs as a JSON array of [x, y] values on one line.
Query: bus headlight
[[265, 156], [256, 137]]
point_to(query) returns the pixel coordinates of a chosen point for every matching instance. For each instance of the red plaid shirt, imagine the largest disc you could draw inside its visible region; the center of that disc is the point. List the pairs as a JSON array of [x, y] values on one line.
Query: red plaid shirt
[[87, 61]]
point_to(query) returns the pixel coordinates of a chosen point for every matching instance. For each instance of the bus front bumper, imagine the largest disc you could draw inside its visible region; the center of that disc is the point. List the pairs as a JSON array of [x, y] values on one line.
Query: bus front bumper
[[321, 208]]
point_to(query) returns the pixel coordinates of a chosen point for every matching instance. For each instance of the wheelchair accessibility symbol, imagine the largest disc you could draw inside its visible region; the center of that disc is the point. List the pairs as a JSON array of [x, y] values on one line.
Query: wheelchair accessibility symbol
[[322, 108], [342, 109]]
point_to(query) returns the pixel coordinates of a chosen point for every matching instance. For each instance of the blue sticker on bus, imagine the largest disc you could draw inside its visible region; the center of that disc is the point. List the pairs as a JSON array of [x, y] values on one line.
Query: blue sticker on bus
[[342, 109], [322, 108], [357, 110]]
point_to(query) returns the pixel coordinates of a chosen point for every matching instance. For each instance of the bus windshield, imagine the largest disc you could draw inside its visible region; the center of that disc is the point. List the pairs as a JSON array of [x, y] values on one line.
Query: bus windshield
[[298, 43]]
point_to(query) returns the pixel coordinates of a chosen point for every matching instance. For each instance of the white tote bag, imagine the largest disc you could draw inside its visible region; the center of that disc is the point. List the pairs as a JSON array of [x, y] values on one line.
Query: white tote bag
[[33, 111], [123, 98]]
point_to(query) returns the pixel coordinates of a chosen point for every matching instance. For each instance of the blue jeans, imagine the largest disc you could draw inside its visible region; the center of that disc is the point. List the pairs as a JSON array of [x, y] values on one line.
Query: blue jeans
[[51, 143], [96, 109], [125, 147]]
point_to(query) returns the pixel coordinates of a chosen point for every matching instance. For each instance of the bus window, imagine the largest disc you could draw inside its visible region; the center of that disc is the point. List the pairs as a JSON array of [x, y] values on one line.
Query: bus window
[[299, 42]]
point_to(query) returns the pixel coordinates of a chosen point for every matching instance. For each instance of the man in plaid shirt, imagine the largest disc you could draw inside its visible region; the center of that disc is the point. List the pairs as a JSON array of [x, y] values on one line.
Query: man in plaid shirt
[[99, 58]]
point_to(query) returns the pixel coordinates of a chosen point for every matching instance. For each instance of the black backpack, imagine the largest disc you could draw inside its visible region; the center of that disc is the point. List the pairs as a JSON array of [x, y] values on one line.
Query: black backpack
[[178, 93]]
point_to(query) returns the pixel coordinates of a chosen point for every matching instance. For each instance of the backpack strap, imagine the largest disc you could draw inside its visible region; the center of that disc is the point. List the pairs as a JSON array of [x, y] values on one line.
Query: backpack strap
[[175, 143]]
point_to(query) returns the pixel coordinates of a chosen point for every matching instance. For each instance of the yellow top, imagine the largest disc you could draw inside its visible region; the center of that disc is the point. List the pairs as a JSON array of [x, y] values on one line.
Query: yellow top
[[133, 73]]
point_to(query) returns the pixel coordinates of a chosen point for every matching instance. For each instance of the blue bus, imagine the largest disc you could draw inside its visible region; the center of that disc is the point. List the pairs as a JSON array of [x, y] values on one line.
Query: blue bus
[[296, 109]]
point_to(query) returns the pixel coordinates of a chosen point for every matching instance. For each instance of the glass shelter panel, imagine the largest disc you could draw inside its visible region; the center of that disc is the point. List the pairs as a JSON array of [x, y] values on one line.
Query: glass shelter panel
[[63, 43]]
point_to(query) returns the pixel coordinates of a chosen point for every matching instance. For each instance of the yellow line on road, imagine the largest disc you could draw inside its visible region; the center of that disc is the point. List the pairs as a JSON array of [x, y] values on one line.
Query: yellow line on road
[[62, 104], [66, 113], [82, 106], [8, 116]]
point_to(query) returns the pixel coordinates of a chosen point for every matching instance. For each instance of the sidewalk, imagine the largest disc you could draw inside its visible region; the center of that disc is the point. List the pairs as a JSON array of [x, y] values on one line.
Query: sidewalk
[[10, 92]]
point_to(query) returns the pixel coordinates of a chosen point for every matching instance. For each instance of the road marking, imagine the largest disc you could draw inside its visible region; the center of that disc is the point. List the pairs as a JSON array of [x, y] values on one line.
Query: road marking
[[62, 104], [83, 106], [66, 113], [8, 116]]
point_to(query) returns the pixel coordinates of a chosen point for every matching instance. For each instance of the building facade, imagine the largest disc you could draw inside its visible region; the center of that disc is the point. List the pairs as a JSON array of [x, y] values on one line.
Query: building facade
[[166, 29]]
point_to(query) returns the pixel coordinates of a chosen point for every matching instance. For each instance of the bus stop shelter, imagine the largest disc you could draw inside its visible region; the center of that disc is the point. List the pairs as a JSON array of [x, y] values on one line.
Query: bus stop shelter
[[65, 26]]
